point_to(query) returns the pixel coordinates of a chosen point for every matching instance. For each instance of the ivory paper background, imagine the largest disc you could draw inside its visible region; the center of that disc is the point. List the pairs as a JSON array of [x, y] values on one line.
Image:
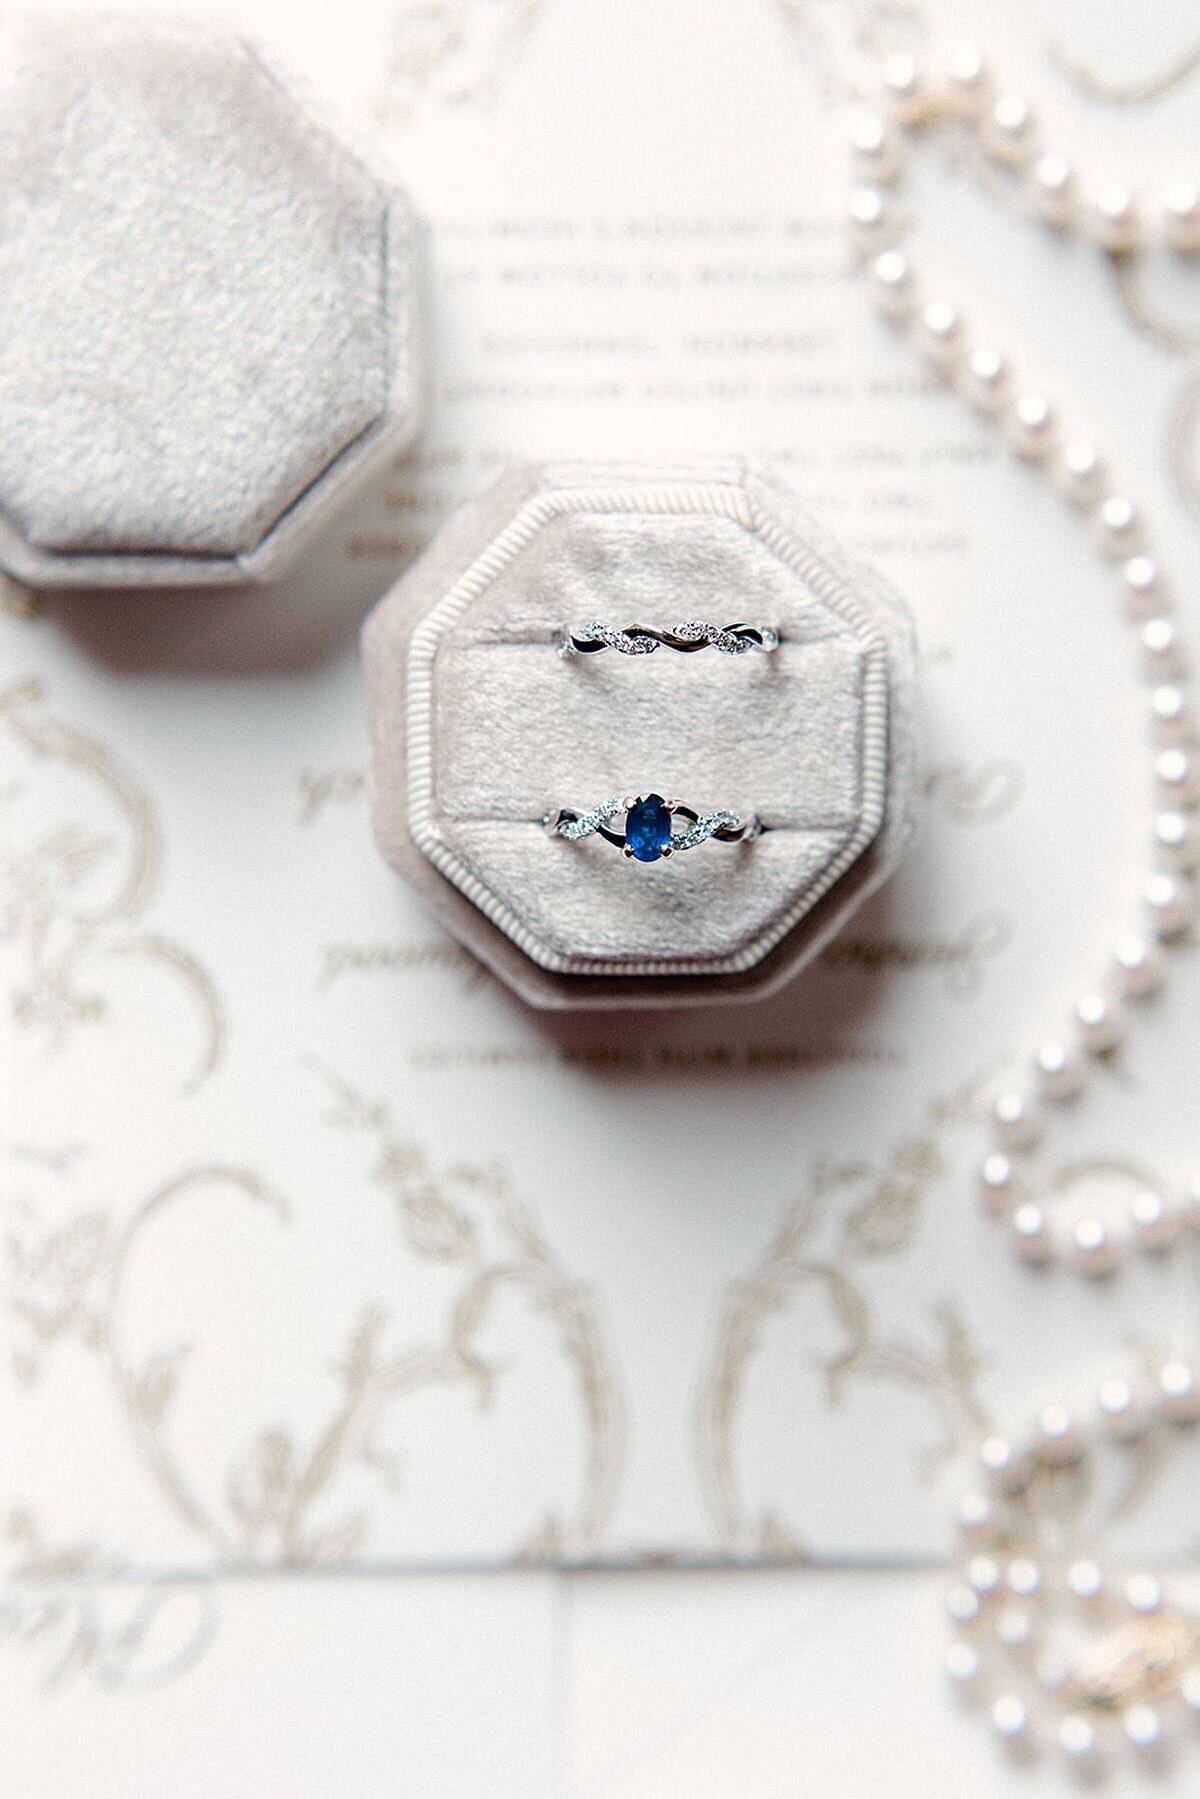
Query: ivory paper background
[[298, 1268]]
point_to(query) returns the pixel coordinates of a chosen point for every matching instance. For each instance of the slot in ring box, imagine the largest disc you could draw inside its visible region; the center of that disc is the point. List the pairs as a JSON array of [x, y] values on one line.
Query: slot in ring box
[[479, 728], [207, 310]]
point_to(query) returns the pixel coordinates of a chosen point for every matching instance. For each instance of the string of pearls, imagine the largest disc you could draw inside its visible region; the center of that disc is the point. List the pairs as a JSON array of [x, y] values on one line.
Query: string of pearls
[[1058, 1649], [963, 92], [1110, 214]]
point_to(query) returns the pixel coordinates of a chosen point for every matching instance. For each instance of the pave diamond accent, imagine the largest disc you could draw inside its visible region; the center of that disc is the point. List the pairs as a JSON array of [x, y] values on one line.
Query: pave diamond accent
[[694, 630], [692, 635], [587, 822], [647, 835], [628, 643], [707, 827]]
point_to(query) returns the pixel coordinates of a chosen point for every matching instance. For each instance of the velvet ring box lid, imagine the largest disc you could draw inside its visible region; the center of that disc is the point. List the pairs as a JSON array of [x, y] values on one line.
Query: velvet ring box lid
[[206, 306], [480, 729]]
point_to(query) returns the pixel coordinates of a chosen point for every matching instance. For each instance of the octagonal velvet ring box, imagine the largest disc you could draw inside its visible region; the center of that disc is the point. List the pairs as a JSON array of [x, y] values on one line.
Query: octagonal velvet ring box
[[480, 728], [206, 306]]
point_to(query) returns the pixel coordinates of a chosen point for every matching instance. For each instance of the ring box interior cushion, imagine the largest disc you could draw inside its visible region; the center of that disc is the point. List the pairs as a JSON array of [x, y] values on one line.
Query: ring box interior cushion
[[479, 729], [206, 305]]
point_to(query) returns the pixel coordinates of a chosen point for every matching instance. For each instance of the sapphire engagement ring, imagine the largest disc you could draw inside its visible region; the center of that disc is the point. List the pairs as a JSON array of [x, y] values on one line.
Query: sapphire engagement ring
[[693, 634], [648, 832]]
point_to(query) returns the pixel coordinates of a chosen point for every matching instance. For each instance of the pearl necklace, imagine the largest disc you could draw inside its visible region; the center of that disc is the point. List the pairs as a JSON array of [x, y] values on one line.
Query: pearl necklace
[[962, 92], [1052, 1643], [1111, 215]]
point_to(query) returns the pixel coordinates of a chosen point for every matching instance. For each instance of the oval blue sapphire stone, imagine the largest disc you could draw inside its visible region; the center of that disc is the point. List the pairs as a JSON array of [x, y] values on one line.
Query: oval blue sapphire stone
[[648, 828]]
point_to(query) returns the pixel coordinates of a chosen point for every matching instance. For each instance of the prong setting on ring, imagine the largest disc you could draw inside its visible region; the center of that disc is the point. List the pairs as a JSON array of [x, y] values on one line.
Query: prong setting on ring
[[649, 835]]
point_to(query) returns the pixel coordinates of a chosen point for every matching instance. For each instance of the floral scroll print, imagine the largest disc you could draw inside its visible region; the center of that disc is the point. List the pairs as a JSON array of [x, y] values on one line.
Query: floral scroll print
[[283, 1494], [850, 1216], [455, 52], [832, 36], [1185, 445], [1120, 90], [469, 1218], [975, 793], [1161, 323], [79, 873], [322, 788], [76, 1624]]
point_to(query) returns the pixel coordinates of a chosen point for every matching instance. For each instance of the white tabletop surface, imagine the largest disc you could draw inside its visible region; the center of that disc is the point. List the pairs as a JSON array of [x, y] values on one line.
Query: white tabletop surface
[[751, 1685]]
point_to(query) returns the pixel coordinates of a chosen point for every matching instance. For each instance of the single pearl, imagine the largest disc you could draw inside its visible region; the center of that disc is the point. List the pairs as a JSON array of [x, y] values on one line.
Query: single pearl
[[962, 1604], [1143, 1728], [1181, 215], [1093, 1248], [1170, 902], [985, 1575], [1114, 219], [1005, 1468], [940, 332], [1060, 1071], [1101, 1022], [1142, 587], [1138, 967], [869, 214], [893, 283], [967, 78], [1179, 1393], [1156, 1222], [1077, 1737], [903, 87], [1162, 649], [1010, 1719], [1085, 1580], [1031, 426], [1178, 776], [984, 378], [1058, 1440], [1008, 131], [1143, 1594], [997, 1182], [1031, 1234], [1014, 1627], [1016, 1122], [976, 1517], [1052, 189], [961, 1665], [874, 147], [1079, 472], [1024, 1577], [1119, 525], [1123, 1418], [1175, 840], [1189, 1689], [1171, 714]]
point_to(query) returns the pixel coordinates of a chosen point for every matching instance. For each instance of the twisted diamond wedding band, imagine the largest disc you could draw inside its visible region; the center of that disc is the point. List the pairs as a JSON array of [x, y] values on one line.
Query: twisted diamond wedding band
[[648, 833], [693, 634]]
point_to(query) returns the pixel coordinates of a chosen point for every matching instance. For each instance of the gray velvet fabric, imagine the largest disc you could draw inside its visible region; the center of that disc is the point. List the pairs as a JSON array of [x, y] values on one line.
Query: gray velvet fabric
[[196, 320], [513, 730], [517, 731]]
